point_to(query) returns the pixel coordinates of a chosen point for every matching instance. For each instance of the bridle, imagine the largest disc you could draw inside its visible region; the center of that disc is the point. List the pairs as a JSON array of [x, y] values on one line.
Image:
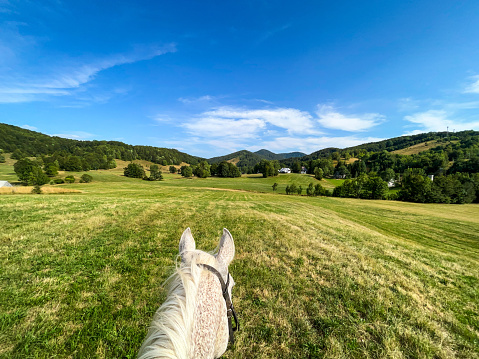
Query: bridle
[[230, 310]]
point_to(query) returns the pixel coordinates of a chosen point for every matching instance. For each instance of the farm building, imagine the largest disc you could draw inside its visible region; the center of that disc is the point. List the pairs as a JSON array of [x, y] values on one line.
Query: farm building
[[285, 170], [5, 184], [303, 170]]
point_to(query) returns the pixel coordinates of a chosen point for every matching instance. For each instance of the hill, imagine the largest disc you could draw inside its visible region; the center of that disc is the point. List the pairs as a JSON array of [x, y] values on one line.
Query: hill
[[30, 143]]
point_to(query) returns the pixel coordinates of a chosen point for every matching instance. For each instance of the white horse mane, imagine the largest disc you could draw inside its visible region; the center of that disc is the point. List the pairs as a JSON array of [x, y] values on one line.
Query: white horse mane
[[169, 335]]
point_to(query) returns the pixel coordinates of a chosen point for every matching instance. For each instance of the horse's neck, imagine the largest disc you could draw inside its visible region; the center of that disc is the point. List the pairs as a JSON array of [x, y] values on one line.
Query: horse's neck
[[210, 334]]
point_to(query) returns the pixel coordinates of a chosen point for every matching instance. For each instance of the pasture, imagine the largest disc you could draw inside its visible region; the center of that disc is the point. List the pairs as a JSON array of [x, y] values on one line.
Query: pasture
[[81, 273]]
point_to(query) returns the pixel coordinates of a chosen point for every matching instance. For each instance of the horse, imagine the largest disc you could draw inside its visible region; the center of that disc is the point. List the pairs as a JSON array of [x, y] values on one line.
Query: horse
[[195, 321]]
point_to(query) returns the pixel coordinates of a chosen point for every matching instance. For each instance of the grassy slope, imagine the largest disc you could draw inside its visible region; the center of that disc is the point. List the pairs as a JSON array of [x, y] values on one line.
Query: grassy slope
[[81, 274], [417, 148]]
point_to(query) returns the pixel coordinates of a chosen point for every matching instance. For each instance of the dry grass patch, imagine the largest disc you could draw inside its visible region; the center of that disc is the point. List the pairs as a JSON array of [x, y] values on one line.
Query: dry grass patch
[[45, 190]]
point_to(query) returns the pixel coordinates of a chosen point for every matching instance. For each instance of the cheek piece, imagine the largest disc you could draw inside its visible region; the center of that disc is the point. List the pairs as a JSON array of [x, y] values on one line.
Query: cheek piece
[[230, 310]]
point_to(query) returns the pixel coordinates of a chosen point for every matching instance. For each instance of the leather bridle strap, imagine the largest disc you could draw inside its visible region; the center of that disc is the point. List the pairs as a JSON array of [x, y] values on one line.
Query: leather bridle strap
[[230, 311]]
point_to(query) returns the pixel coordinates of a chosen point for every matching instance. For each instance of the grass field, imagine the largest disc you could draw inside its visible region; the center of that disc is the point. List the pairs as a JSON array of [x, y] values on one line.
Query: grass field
[[81, 273]]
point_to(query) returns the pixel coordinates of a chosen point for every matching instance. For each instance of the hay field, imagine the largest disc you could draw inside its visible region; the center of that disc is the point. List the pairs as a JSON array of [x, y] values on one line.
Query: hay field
[[81, 274]]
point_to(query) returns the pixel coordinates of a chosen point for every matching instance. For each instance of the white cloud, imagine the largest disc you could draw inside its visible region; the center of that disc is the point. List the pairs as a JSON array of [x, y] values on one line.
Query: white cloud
[[329, 117], [290, 119], [439, 120], [474, 87], [75, 135], [28, 127], [214, 127]]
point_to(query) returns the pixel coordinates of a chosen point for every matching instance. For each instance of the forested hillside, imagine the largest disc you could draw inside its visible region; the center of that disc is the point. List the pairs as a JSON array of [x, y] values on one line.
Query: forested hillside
[[445, 170], [91, 154]]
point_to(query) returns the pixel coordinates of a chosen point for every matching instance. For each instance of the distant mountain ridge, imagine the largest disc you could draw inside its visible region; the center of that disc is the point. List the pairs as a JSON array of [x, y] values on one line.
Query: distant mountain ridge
[[268, 155], [246, 158]]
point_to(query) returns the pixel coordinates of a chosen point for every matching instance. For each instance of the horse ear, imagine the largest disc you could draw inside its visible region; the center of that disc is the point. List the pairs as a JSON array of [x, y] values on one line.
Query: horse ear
[[187, 242], [226, 251]]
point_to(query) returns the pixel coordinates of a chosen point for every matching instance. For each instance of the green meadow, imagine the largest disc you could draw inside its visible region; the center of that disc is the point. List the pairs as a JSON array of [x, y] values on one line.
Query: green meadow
[[81, 274]]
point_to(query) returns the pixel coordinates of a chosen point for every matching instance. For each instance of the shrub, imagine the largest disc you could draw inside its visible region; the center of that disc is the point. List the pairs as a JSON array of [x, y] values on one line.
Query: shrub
[[37, 190], [70, 179], [85, 178], [58, 181]]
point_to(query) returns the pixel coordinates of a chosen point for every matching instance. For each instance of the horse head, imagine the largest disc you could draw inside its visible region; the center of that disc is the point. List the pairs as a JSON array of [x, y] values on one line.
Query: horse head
[[195, 321]]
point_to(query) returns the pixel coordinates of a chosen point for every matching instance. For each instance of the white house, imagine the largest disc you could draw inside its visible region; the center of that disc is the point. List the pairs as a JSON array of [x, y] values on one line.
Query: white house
[[303, 170], [5, 184], [285, 170]]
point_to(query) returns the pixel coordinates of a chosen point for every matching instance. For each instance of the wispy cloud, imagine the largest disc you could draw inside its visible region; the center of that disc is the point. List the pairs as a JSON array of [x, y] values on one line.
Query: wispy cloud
[[474, 86], [75, 135], [62, 79], [330, 117], [28, 127], [439, 120], [265, 36], [205, 98]]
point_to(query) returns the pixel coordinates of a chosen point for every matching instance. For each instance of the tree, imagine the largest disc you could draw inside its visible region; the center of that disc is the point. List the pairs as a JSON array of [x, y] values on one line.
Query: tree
[[299, 190], [310, 189], [202, 170], [388, 174], [296, 167], [134, 170], [377, 188], [319, 190], [17, 155], [29, 172], [293, 188], [227, 169], [267, 168], [2, 157], [155, 174], [416, 187], [318, 173], [51, 169], [172, 169], [275, 186], [73, 163], [186, 171]]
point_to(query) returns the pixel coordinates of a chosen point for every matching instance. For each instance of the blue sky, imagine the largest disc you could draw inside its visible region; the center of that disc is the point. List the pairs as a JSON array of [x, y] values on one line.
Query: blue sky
[[213, 77]]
